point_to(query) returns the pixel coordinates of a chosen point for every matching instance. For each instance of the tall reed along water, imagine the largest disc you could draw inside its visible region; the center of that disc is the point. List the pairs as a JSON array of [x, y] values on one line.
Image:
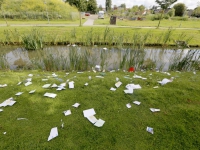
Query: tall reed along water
[[83, 58]]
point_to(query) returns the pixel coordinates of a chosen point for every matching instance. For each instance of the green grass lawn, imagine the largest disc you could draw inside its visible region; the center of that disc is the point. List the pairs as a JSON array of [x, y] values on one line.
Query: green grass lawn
[[96, 34], [176, 126]]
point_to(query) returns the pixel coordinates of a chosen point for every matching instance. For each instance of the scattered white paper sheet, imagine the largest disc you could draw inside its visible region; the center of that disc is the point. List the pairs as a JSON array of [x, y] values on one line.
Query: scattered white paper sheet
[[76, 105], [137, 102], [30, 75], [155, 87], [129, 91], [28, 83], [8, 102], [112, 71], [150, 130], [33, 91], [53, 133], [51, 95], [139, 77], [3, 85], [54, 85], [154, 109], [67, 112], [71, 84], [29, 80], [99, 123], [89, 112], [86, 84], [99, 77], [60, 88], [117, 79], [128, 105], [79, 72], [92, 119], [67, 73], [4, 132], [45, 79], [133, 86], [1, 110], [54, 75], [118, 84], [89, 77], [46, 86], [164, 81], [113, 89], [22, 119], [19, 83], [19, 93]]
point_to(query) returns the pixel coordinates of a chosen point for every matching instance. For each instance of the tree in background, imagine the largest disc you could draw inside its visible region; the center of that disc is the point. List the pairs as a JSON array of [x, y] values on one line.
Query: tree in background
[[135, 9], [81, 5], [196, 12], [100, 8], [180, 9], [108, 5], [141, 8], [171, 12], [123, 6], [92, 6], [164, 4]]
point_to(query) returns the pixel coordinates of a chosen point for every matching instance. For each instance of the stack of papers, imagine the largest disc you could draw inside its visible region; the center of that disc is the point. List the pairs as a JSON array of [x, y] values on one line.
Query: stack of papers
[[51, 95], [53, 133], [8, 102]]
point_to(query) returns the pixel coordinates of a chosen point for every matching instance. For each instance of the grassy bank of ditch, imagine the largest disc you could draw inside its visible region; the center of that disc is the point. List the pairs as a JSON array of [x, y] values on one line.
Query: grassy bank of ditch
[[102, 35], [176, 126]]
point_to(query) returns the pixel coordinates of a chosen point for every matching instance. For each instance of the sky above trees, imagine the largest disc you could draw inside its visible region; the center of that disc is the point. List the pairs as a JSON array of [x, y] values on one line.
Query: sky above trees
[[190, 4]]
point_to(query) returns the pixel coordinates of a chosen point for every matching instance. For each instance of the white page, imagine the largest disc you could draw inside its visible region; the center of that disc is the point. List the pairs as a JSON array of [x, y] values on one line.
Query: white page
[[30, 75], [19, 93], [53, 133], [67, 112], [3, 85], [19, 83], [28, 83], [137, 102], [113, 89], [92, 119], [99, 77], [71, 84], [99, 123], [129, 91], [86, 84], [46, 86], [1, 110], [51, 95], [128, 105], [22, 119], [154, 109], [118, 84], [150, 130], [54, 85], [76, 105], [33, 91], [89, 112]]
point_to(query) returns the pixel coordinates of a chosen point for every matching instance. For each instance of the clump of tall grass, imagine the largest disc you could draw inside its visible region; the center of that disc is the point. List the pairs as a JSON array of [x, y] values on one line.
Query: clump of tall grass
[[34, 40], [3, 62]]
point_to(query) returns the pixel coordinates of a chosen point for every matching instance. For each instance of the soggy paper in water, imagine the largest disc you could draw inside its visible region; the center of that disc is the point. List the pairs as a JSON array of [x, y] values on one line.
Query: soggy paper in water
[[137, 102], [19, 93], [46, 86], [128, 105], [92, 119], [67, 112], [76, 105], [89, 112], [51, 95], [33, 91], [154, 109], [53, 133], [150, 130], [118, 84], [99, 123]]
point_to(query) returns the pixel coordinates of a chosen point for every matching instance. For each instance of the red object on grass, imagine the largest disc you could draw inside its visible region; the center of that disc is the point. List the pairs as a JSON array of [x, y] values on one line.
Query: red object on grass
[[131, 69]]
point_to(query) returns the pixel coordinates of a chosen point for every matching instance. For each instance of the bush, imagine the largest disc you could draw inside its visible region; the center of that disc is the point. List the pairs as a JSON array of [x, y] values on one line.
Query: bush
[[180, 18]]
